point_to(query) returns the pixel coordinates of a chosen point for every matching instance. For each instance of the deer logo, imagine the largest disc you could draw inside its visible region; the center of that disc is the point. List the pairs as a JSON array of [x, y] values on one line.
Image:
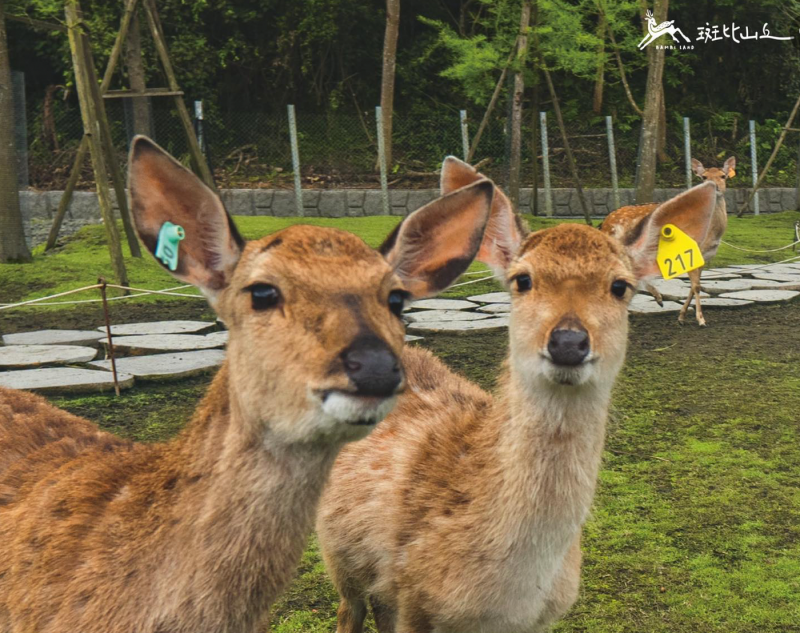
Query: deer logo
[[654, 32]]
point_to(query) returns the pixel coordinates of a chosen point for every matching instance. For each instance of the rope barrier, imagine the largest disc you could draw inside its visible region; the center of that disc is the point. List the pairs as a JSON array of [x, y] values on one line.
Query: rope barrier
[[140, 293], [750, 250], [473, 281]]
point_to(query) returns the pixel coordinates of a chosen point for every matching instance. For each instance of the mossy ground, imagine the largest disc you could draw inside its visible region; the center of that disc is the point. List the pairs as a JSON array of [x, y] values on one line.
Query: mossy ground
[[696, 524]]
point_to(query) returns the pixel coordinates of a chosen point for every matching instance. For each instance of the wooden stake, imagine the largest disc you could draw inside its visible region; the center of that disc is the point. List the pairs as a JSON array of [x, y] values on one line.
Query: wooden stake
[[102, 283], [91, 128], [66, 197], [198, 160]]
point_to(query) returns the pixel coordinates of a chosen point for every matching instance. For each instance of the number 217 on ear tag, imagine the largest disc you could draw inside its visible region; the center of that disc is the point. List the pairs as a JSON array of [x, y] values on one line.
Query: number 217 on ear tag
[[677, 252]]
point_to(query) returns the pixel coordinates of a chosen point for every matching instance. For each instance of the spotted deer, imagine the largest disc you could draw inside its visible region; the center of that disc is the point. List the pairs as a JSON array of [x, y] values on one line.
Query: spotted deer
[[462, 512], [201, 533], [624, 223]]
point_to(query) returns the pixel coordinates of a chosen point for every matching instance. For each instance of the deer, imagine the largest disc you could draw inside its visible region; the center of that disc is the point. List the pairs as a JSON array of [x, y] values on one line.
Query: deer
[[625, 222], [462, 512], [203, 532]]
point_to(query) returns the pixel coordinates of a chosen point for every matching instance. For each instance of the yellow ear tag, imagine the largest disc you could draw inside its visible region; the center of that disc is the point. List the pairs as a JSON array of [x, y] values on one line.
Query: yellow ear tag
[[677, 252]]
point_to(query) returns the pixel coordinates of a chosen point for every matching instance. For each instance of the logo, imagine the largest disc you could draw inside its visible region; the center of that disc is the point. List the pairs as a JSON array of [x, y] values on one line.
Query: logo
[[654, 32]]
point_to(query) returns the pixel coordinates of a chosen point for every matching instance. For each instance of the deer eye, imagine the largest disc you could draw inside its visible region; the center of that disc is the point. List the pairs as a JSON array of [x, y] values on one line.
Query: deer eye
[[619, 287], [397, 301], [523, 282], [264, 296]]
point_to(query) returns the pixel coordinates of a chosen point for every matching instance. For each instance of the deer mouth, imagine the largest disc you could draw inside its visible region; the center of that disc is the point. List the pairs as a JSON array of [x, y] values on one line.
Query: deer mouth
[[352, 408]]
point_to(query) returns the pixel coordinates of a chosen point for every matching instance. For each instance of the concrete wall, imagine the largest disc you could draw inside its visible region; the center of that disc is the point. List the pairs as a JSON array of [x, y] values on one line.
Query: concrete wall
[[38, 208]]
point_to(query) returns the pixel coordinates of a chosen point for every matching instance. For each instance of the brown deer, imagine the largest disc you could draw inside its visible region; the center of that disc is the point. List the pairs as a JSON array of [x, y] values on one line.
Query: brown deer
[[624, 224], [203, 532], [462, 512]]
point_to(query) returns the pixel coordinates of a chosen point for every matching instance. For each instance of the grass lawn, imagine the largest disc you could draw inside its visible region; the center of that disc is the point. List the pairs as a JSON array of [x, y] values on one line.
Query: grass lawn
[[696, 525]]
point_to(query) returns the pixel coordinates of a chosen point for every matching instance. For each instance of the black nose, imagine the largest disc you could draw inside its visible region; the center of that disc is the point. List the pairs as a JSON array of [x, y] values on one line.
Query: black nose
[[568, 347], [373, 368]]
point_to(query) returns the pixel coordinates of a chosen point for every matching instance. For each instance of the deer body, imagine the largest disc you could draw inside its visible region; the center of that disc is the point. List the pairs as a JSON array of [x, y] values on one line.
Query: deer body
[[202, 533], [623, 224], [463, 511]]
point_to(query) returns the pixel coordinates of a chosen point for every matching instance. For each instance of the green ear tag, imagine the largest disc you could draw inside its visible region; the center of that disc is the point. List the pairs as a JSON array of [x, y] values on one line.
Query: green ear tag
[[167, 246], [677, 252]]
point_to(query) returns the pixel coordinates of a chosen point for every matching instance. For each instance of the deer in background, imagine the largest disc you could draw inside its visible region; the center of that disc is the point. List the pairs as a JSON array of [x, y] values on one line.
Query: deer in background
[[462, 512], [624, 224], [203, 532]]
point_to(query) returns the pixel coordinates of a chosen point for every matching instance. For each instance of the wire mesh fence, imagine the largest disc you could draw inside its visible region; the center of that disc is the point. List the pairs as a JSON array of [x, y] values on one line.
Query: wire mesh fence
[[250, 149]]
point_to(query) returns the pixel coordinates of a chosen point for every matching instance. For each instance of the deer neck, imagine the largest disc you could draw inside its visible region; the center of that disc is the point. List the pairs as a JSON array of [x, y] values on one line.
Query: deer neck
[[548, 452], [246, 520]]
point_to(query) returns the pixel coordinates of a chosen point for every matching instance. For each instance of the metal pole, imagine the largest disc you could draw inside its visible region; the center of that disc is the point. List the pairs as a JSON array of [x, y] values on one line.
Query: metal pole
[[612, 159], [198, 116], [797, 194], [548, 193], [754, 163], [687, 151], [382, 160], [298, 190], [464, 135]]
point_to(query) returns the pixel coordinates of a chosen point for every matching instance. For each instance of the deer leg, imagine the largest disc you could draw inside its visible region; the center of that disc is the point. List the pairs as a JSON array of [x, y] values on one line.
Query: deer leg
[[694, 277], [656, 294], [385, 617], [685, 306], [351, 614]]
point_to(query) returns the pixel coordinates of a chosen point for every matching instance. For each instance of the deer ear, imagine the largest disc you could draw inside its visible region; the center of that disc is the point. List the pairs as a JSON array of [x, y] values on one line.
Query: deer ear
[[730, 167], [691, 211], [503, 236], [162, 190], [697, 167], [433, 246], [456, 174]]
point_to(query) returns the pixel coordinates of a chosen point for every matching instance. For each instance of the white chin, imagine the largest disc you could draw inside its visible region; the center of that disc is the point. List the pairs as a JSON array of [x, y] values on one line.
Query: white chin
[[569, 376], [364, 411]]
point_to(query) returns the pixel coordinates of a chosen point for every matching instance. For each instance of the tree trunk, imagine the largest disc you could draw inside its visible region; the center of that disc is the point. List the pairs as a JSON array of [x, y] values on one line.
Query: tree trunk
[[599, 82], [535, 113], [516, 107], [646, 175], [661, 147], [12, 232], [136, 78], [387, 78]]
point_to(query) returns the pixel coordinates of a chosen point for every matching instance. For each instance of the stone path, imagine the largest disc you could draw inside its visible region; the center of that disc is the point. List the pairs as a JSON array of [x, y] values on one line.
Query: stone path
[[62, 361]]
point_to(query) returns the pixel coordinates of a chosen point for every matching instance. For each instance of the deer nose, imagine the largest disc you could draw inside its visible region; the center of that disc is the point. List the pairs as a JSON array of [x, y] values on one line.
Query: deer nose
[[568, 347], [372, 367]]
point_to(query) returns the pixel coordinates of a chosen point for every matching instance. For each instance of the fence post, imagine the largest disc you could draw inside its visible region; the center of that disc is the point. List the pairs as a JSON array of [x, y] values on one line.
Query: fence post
[[754, 164], [797, 194], [612, 159], [198, 117], [464, 135], [548, 194], [687, 151], [298, 190], [382, 160]]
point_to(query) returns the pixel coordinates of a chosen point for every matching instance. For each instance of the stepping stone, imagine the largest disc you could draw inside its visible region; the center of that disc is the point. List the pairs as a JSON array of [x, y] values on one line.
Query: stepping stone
[[166, 366], [778, 277], [771, 285], [710, 275], [160, 327], [427, 316], [219, 338], [642, 299], [763, 296], [719, 302], [497, 323], [680, 294], [53, 337], [731, 285], [63, 380], [156, 343], [492, 297], [442, 304], [652, 307], [20, 356], [496, 308], [410, 338]]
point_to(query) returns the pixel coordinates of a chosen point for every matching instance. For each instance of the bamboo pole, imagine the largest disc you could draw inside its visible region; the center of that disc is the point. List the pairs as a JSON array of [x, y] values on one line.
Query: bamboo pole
[[91, 128]]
